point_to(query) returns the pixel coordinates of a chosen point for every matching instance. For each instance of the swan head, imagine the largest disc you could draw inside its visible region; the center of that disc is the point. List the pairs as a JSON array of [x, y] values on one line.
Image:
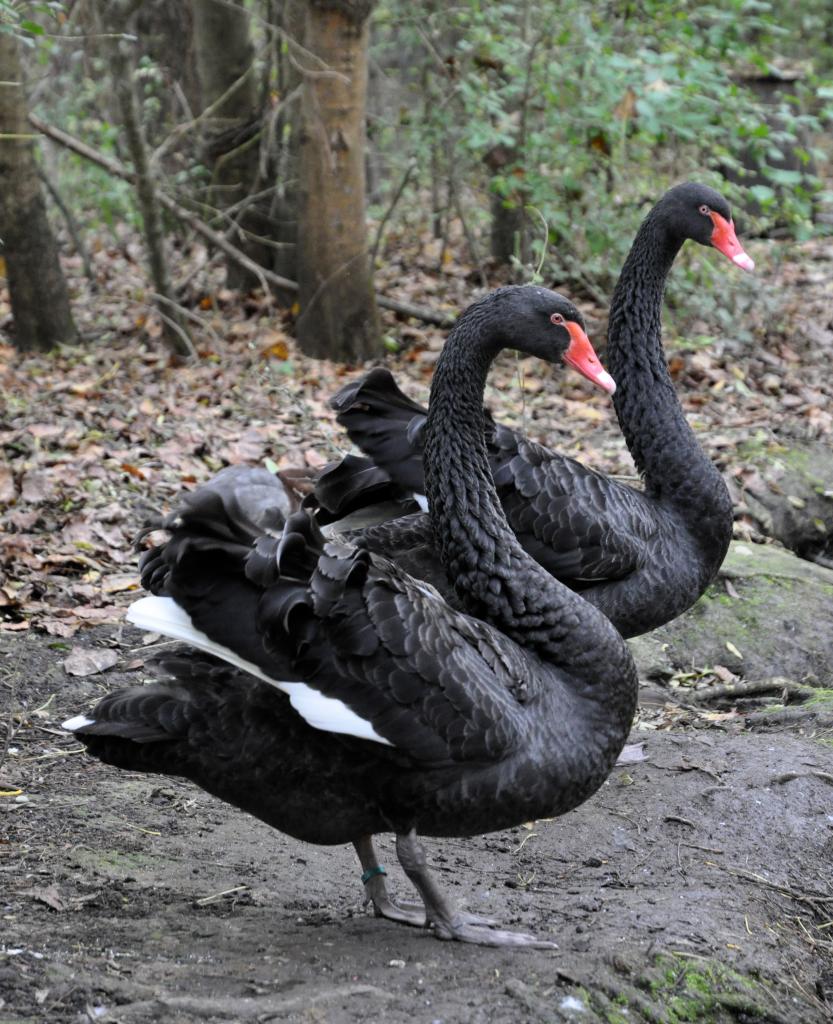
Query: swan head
[[698, 212], [542, 323]]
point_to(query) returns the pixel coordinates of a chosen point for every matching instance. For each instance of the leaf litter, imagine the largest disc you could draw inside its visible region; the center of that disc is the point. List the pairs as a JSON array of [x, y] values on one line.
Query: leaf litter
[[99, 437]]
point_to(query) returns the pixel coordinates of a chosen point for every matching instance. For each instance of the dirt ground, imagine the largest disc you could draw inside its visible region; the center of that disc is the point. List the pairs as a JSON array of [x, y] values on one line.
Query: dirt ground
[[695, 886]]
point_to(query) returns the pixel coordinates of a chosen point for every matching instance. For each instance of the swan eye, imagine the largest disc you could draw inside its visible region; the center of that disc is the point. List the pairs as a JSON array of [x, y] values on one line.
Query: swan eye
[[704, 209], [557, 318]]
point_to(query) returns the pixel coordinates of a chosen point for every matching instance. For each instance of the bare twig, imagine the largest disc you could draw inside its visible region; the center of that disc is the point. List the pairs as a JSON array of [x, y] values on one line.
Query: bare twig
[[205, 900], [776, 684], [811, 898], [188, 126], [160, 1004], [190, 315], [174, 332], [4, 752], [199, 226], [472, 246], [53, 754], [406, 177], [173, 323], [791, 776], [72, 227], [786, 716]]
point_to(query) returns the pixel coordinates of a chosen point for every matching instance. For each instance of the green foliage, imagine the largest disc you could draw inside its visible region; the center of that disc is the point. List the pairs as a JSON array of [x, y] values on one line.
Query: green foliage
[[593, 109], [30, 21], [579, 112], [102, 199]]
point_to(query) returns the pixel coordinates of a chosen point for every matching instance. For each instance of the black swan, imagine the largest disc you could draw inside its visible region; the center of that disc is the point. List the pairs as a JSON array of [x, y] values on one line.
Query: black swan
[[640, 557], [403, 714]]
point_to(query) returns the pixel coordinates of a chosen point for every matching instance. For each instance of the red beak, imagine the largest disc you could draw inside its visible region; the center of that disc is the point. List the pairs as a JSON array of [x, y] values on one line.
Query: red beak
[[725, 239], [582, 357]]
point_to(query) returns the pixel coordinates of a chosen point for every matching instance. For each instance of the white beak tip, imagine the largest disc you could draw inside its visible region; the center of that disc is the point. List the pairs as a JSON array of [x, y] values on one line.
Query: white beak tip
[[744, 261], [606, 382]]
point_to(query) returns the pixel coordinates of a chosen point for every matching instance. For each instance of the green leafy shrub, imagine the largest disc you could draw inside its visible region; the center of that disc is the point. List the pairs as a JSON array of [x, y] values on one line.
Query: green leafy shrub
[[600, 107]]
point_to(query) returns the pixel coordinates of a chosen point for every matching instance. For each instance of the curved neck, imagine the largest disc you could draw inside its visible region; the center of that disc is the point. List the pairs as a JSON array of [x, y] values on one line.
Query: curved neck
[[658, 436], [490, 570]]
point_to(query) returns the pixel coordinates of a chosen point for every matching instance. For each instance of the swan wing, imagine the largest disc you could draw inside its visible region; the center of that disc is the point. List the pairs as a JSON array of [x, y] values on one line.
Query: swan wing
[[433, 682], [577, 523]]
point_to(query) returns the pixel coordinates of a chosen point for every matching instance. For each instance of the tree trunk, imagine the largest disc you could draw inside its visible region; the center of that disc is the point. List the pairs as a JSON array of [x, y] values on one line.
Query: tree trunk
[[284, 207], [230, 135], [40, 304], [507, 236], [338, 318], [174, 332], [508, 228], [166, 35]]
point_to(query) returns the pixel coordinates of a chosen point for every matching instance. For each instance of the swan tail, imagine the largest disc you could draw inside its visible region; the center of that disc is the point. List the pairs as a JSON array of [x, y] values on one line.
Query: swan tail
[[228, 544], [199, 705], [356, 485], [225, 516], [257, 601], [377, 390], [142, 728], [390, 428], [386, 424], [266, 619]]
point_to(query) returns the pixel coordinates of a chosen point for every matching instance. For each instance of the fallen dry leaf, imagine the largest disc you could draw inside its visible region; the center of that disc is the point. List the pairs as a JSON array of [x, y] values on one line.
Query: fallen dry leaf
[[87, 661], [40, 430], [48, 895], [37, 486], [632, 753], [8, 491], [119, 582], [60, 627]]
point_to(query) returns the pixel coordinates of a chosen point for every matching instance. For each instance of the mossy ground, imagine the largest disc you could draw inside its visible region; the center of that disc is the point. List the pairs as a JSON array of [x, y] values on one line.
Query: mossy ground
[[772, 607], [701, 990]]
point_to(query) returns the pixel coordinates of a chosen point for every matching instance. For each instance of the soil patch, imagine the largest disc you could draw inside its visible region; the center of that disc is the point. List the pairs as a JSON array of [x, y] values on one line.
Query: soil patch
[[694, 886]]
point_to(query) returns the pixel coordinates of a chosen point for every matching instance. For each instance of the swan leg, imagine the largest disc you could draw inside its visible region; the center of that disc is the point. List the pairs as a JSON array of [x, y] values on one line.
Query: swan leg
[[377, 891], [446, 920]]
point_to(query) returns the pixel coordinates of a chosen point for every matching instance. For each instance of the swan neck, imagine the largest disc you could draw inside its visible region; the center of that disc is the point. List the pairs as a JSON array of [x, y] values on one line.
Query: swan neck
[[659, 438], [495, 577]]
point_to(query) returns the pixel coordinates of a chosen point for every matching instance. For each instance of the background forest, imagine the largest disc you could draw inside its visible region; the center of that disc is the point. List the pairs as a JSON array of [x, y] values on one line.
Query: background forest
[[511, 139]]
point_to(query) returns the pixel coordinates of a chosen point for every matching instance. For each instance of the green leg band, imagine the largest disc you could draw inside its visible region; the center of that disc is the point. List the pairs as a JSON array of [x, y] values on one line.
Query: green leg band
[[367, 875]]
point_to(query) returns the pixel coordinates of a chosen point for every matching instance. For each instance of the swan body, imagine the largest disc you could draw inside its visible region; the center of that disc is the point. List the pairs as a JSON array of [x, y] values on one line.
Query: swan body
[[641, 557], [335, 696]]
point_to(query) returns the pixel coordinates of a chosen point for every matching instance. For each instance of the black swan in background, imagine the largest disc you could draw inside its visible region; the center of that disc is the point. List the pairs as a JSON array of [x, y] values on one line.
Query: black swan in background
[[402, 714], [640, 557]]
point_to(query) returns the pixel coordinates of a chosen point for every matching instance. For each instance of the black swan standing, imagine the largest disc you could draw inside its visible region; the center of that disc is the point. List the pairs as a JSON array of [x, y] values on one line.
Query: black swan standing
[[640, 557], [376, 706]]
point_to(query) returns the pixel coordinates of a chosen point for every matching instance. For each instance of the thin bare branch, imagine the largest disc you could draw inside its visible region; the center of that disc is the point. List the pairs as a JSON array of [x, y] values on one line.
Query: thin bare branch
[[186, 127], [406, 177], [199, 226], [72, 227], [174, 333]]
